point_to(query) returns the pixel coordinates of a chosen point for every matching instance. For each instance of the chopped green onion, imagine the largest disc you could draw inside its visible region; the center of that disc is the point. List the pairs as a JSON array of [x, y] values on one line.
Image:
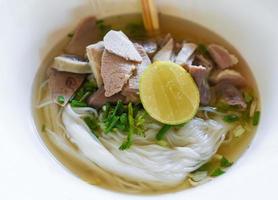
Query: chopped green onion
[[75, 103], [238, 131], [112, 124], [256, 118], [162, 132], [61, 99], [247, 97], [202, 48], [217, 172], [136, 30], [204, 167], [231, 118], [128, 142], [84, 97], [92, 124], [224, 162]]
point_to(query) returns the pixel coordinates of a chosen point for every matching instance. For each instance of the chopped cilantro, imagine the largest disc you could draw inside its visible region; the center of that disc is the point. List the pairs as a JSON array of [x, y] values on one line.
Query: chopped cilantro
[[231, 118], [162, 132], [217, 172], [256, 118], [61, 100], [224, 162]]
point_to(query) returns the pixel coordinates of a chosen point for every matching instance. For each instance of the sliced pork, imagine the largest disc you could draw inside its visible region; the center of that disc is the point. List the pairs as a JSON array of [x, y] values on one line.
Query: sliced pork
[[200, 73], [86, 33], [98, 98], [185, 53], [221, 56], [115, 72], [166, 52], [71, 63], [228, 76], [117, 42], [94, 54], [229, 94], [64, 84]]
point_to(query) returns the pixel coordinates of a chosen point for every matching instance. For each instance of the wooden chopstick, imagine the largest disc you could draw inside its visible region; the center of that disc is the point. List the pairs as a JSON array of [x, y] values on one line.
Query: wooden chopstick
[[150, 16]]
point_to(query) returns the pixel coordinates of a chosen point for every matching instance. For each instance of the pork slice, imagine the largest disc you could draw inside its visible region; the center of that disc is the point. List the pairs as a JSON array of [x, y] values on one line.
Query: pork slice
[[221, 56], [229, 76], [185, 53], [199, 74], [117, 42], [131, 89], [229, 94], [64, 84], [98, 98], [86, 33], [94, 54], [166, 52], [115, 72]]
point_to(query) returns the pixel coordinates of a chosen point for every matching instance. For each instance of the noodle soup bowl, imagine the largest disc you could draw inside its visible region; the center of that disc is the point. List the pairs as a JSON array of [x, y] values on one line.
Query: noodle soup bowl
[[30, 29]]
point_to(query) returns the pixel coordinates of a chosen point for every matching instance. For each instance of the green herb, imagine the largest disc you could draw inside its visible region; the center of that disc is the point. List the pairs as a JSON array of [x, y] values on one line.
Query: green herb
[[162, 132], [217, 172], [204, 167], [112, 123], [75, 103], [136, 30], [256, 118], [43, 128], [85, 96], [202, 49], [106, 109], [224, 162], [92, 124], [139, 123], [102, 27], [231, 118], [61, 100], [70, 35], [128, 142], [247, 97]]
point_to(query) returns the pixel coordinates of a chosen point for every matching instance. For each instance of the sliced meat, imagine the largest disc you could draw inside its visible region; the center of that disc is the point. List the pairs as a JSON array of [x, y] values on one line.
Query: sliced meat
[[185, 53], [200, 73], [94, 54], [150, 47], [200, 59], [117, 42], [115, 72], [86, 33], [228, 76], [64, 84], [133, 82], [131, 89], [229, 94], [98, 99], [221, 56], [71, 63], [166, 52], [163, 41]]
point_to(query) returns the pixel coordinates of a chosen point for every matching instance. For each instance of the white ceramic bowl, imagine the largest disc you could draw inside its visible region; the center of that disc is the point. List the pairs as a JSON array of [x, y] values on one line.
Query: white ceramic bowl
[[30, 28]]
